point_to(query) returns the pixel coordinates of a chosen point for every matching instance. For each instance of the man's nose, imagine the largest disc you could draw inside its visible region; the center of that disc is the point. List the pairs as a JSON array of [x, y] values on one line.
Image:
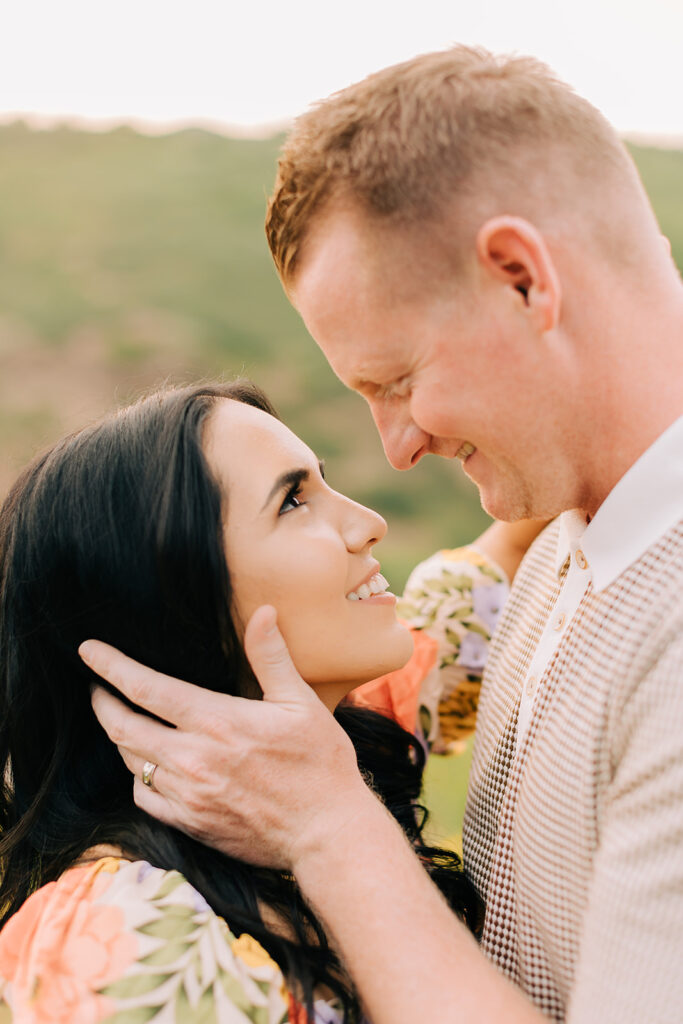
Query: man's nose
[[404, 443]]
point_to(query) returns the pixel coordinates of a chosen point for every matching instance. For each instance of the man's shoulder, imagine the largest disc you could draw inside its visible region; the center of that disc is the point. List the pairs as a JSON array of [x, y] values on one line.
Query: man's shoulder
[[659, 566]]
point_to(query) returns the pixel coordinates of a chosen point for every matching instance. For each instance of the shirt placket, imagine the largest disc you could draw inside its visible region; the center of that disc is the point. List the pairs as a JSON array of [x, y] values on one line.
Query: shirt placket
[[577, 576]]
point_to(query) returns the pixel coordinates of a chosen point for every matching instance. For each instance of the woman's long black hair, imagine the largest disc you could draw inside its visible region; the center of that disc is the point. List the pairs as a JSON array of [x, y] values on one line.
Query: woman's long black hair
[[116, 533]]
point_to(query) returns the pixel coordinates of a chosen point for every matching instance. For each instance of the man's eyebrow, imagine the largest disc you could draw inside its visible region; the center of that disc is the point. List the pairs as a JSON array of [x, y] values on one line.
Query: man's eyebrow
[[292, 478]]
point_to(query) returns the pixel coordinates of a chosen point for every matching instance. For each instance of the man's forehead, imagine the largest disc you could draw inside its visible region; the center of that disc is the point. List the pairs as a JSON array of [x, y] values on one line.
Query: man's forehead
[[336, 266], [364, 298], [361, 360]]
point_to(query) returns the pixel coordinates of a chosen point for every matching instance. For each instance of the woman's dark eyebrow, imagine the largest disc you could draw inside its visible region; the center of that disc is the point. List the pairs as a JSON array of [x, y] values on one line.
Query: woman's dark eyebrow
[[292, 478]]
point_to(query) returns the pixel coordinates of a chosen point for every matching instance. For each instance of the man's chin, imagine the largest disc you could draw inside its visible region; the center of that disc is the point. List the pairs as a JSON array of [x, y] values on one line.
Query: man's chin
[[509, 505], [505, 494]]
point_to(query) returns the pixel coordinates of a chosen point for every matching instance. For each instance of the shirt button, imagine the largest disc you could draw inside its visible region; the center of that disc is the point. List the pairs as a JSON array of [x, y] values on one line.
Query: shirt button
[[581, 559], [530, 686], [560, 621]]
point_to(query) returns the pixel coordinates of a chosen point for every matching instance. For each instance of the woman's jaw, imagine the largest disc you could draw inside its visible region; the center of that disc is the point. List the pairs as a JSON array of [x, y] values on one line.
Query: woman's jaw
[[293, 542]]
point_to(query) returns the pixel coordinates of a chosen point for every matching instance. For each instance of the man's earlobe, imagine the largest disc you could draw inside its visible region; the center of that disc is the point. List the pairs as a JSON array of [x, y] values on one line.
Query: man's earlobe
[[515, 252]]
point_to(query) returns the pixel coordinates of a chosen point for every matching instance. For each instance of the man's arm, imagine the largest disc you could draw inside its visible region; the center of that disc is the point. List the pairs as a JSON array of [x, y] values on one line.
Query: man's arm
[[277, 783], [410, 957], [629, 965], [507, 543]]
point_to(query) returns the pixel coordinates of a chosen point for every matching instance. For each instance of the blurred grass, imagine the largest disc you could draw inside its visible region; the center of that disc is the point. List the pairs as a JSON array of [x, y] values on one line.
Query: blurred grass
[[445, 790], [129, 260]]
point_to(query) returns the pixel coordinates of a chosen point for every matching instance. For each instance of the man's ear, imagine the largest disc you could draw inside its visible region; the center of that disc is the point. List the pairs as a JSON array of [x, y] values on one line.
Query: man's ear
[[515, 252]]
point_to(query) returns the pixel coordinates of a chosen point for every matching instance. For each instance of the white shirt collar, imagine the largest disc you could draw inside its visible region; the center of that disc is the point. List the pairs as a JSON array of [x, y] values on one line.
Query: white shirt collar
[[644, 504], [573, 525]]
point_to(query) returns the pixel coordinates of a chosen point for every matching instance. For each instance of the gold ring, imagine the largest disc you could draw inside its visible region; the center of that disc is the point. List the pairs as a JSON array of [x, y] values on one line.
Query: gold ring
[[148, 770]]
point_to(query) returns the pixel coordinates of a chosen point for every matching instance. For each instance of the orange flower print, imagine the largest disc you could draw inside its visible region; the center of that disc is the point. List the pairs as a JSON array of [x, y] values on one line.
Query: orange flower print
[[61, 947]]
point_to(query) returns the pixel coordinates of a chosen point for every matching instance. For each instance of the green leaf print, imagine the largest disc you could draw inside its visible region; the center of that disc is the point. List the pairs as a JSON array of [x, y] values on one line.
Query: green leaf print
[[203, 1012], [175, 923], [138, 1015], [486, 570], [137, 985], [171, 881], [236, 994], [463, 612], [439, 586], [474, 627], [461, 581], [166, 954]]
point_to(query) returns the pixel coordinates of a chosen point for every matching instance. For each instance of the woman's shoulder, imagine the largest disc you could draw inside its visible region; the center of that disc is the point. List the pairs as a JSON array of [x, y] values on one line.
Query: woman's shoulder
[[450, 573], [122, 941], [456, 598]]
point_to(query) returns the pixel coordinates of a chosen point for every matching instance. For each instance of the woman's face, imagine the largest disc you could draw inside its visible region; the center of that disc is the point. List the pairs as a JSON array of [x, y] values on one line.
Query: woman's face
[[293, 542]]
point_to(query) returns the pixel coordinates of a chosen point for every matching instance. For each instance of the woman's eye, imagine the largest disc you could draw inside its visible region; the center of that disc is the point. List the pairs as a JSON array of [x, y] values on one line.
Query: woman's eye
[[292, 500]]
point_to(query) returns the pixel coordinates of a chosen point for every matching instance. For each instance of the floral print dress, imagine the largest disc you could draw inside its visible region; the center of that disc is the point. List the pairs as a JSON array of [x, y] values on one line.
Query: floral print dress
[[452, 603], [123, 942]]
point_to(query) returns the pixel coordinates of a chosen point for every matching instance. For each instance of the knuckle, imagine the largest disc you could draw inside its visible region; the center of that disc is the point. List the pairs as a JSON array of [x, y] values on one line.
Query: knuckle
[[197, 809], [116, 731], [192, 766], [127, 757], [276, 658], [136, 687]]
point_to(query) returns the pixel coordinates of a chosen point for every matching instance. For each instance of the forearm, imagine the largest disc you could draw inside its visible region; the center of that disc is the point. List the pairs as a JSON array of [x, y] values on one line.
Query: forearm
[[410, 957], [308, 811], [507, 543]]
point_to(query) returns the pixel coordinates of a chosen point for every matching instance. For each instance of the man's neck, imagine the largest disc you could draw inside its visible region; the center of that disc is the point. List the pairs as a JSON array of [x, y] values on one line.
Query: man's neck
[[636, 394]]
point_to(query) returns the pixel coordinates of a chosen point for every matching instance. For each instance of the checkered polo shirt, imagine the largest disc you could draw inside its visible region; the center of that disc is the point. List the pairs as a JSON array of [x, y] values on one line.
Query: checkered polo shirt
[[575, 839]]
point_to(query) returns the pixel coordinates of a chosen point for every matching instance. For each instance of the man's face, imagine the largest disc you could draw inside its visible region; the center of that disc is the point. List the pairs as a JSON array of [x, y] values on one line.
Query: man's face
[[446, 359]]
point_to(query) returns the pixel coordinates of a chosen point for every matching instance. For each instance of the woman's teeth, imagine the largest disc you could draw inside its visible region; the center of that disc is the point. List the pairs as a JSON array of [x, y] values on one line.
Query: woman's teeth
[[375, 585]]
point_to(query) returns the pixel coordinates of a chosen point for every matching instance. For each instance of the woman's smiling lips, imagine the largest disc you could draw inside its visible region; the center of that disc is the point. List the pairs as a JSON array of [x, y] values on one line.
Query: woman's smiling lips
[[373, 588]]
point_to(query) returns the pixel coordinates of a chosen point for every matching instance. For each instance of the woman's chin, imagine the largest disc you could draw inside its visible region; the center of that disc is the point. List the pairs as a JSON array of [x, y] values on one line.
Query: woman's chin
[[403, 648]]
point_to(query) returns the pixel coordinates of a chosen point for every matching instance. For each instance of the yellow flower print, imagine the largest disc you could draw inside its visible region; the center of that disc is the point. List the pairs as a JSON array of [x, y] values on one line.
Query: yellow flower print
[[464, 555], [252, 953]]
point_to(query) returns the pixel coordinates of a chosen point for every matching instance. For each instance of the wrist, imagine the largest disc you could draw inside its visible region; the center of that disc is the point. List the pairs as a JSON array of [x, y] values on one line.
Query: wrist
[[338, 835]]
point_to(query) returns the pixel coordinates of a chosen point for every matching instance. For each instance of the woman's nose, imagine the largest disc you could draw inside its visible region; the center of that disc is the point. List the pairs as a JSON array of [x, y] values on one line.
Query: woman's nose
[[363, 527]]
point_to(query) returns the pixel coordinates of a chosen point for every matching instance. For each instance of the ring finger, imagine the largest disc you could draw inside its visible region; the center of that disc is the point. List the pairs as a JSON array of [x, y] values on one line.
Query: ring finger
[[142, 768]]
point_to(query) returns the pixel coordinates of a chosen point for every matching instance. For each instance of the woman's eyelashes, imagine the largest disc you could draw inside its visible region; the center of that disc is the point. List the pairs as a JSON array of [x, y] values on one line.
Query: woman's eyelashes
[[292, 499], [292, 496]]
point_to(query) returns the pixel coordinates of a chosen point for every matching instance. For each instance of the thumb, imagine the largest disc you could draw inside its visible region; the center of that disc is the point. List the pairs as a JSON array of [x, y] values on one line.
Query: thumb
[[270, 659]]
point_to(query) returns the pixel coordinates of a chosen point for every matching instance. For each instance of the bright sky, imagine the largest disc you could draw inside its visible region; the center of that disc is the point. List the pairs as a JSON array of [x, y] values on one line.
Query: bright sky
[[257, 63]]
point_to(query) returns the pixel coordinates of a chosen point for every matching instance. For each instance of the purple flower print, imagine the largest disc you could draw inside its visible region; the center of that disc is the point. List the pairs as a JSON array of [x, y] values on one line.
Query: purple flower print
[[488, 603], [473, 651]]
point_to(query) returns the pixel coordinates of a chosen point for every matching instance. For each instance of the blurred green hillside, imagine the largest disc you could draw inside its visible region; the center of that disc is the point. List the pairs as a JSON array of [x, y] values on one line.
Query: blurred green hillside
[[128, 260]]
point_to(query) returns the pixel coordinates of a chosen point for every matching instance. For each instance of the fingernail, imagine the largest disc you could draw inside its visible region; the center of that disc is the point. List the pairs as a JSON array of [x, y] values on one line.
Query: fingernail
[[270, 625], [84, 651]]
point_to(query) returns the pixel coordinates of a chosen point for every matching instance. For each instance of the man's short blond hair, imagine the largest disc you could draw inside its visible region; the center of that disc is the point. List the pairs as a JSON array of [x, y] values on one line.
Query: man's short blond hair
[[458, 123]]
